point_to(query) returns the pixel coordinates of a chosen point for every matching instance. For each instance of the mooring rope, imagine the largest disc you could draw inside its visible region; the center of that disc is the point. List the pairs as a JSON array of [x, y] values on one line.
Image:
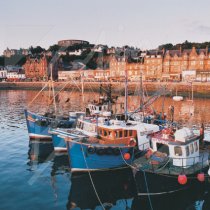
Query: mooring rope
[[150, 202], [92, 179]]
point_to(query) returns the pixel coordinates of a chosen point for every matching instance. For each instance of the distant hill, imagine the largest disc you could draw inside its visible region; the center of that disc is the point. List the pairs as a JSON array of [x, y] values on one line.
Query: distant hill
[[184, 45]]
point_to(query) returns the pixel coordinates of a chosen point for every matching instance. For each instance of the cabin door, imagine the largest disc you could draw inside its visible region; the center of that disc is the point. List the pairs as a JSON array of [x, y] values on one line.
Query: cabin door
[[163, 148]]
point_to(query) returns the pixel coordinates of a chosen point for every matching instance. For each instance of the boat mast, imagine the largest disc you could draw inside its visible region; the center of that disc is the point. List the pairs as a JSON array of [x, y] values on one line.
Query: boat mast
[[52, 86], [126, 90], [141, 93]]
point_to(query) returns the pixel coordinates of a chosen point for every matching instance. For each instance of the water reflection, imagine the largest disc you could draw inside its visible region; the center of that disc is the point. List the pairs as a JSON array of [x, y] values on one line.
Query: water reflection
[[40, 152], [115, 189], [111, 188]]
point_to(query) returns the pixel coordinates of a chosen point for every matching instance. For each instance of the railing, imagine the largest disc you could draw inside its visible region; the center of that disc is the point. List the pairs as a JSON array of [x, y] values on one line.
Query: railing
[[188, 164]]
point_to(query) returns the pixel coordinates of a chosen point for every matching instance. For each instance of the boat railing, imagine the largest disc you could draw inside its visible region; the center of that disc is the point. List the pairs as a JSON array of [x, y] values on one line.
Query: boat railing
[[186, 165]]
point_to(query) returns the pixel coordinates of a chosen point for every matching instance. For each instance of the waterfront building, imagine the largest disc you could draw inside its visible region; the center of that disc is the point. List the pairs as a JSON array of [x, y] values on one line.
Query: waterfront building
[[169, 65], [36, 68], [14, 73], [3, 73], [101, 74], [119, 65]]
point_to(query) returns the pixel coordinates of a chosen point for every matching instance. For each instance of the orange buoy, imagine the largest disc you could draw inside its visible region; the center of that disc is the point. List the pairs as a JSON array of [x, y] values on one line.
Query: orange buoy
[[127, 156], [201, 177], [182, 179]]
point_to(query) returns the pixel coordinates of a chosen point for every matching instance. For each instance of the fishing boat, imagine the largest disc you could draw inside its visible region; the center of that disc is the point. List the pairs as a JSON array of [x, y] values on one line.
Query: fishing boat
[[108, 143], [173, 163], [38, 125]]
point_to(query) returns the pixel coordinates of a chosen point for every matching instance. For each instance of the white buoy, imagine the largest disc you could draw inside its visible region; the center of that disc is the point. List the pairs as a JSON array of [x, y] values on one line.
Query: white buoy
[[178, 98]]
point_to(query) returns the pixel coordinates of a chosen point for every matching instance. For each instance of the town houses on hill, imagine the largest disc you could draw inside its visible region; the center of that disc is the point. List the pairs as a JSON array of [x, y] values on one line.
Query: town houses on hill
[[75, 59]]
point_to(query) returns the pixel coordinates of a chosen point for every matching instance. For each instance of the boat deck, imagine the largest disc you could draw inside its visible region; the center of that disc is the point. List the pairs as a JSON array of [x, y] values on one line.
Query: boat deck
[[166, 165]]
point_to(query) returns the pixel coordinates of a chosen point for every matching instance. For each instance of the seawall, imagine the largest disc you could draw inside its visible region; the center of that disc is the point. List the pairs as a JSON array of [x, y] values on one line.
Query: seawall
[[184, 89]]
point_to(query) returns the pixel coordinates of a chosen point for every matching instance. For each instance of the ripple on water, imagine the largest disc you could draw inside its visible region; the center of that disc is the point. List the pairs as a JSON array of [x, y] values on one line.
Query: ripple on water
[[32, 178]]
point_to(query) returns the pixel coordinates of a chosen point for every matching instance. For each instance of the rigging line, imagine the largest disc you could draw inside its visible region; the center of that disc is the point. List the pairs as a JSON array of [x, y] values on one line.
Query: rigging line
[[37, 95], [144, 179], [60, 90], [54, 102], [75, 84], [91, 89], [92, 180]]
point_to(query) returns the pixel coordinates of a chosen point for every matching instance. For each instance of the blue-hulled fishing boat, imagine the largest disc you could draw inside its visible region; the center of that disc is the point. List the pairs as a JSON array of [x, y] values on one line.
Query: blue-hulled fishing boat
[[110, 144], [39, 125], [85, 156]]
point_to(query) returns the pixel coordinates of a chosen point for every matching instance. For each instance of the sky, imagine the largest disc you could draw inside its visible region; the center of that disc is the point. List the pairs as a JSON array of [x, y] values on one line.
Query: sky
[[140, 23]]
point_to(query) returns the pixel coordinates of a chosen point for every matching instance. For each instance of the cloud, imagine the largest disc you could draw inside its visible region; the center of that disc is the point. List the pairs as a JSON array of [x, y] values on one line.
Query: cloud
[[203, 28]]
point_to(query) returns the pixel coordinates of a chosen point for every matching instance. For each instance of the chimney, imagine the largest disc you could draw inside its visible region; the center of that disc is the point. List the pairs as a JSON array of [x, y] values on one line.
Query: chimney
[[180, 50], [207, 50]]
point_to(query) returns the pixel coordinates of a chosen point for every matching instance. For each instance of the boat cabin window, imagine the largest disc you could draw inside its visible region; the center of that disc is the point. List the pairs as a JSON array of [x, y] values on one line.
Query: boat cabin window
[[125, 133], [99, 108], [120, 134], [191, 149], [178, 151], [130, 132], [196, 146], [163, 148], [105, 133], [187, 151]]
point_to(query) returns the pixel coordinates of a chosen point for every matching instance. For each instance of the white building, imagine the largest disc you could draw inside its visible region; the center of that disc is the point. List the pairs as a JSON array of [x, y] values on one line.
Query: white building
[[68, 75], [3, 73], [188, 75], [12, 75]]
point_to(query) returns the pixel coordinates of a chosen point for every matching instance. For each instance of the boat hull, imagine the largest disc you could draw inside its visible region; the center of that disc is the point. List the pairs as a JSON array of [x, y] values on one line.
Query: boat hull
[[149, 183], [59, 143], [81, 159], [38, 126]]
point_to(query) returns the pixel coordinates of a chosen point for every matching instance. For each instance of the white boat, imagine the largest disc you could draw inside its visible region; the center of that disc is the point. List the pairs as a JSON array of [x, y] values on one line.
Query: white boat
[[178, 98]]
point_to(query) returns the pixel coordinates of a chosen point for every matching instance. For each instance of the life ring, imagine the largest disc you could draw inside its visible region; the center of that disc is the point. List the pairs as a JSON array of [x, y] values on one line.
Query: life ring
[[91, 150], [132, 142]]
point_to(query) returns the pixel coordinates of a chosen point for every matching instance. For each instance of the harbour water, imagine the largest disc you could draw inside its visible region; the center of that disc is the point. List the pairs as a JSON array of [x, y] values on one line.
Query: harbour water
[[32, 177]]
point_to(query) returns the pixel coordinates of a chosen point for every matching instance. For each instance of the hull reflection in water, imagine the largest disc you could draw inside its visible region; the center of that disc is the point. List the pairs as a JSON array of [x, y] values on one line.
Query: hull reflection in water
[[40, 152], [115, 188], [193, 198]]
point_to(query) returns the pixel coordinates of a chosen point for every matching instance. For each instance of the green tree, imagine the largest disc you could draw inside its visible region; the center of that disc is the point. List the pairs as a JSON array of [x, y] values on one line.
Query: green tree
[[36, 50]]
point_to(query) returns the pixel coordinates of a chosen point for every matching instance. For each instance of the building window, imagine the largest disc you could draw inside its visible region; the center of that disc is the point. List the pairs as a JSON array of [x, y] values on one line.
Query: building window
[[193, 63]]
